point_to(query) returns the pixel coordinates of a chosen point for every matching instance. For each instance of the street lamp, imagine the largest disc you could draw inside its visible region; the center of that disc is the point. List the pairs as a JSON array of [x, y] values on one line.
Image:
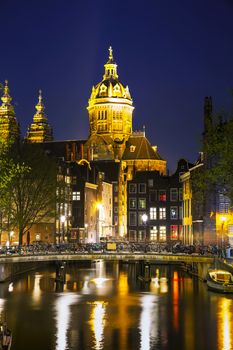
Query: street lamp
[[144, 220], [62, 219]]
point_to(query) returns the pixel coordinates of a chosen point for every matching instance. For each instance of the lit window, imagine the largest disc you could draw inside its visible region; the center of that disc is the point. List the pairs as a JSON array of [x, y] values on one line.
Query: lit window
[[142, 188], [173, 194], [174, 213], [132, 203], [153, 233], [115, 210], [174, 231], [224, 203], [76, 196], [132, 188], [141, 235], [153, 213], [142, 203], [162, 213], [68, 179], [162, 195], [132, 219], [162, 233]]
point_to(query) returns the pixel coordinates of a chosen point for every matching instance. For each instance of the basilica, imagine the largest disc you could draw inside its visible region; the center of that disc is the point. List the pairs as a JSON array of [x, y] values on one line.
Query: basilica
[[99, 168]]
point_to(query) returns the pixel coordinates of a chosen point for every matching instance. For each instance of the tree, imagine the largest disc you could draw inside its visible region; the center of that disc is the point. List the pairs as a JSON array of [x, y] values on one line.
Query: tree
[[29, 193], [216, 174]]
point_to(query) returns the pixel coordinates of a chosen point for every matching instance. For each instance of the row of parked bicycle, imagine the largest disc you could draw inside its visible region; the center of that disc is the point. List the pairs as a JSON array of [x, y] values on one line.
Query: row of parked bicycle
[[74, 248]]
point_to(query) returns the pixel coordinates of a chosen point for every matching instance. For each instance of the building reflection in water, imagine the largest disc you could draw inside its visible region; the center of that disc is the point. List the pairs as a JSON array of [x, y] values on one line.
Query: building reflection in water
[[36, 292], [97, 323], [148, 321], [225, 324], [62, 316]]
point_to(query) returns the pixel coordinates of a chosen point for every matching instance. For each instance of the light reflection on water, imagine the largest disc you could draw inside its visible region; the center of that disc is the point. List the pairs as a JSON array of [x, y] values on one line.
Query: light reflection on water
[[97, 323], [148, 320], [225, 324], [105, 306], [62, 307]]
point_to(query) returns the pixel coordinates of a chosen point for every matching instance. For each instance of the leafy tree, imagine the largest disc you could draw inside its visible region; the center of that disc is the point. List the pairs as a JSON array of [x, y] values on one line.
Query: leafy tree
[[217, 171], [29, 192]]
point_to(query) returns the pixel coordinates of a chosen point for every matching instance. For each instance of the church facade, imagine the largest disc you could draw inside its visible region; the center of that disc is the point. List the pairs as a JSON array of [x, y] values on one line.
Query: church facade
[[112, 147]]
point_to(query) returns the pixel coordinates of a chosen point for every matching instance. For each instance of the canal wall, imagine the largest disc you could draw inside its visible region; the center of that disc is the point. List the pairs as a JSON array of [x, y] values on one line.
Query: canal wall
[[9, 270], [197, 269]]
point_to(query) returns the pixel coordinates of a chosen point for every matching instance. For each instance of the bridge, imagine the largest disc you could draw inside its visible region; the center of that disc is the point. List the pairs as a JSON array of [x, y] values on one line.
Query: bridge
[[152, 257], [11, 265]]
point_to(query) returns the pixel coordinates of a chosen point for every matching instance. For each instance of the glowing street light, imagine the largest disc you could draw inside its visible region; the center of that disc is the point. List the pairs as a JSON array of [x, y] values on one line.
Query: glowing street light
[[144, 220]]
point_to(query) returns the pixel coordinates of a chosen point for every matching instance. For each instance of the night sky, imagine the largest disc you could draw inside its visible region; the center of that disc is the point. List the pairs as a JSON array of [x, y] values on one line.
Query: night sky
[[171, 54]]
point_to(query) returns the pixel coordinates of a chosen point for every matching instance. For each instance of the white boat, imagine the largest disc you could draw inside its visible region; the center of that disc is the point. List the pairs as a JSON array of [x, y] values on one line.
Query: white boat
[[220, 281]]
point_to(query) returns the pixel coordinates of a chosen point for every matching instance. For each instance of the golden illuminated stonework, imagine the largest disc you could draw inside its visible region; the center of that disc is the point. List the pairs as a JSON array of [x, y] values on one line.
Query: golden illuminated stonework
[[110, 109], [39, 130], [9, 127], [111, 137]]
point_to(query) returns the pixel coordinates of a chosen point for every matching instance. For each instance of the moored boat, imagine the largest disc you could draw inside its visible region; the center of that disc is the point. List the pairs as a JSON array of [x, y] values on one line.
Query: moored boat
[[220, 281]]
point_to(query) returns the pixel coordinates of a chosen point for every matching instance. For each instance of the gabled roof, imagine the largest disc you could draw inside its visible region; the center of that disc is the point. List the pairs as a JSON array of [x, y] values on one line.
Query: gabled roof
[[138, 147]]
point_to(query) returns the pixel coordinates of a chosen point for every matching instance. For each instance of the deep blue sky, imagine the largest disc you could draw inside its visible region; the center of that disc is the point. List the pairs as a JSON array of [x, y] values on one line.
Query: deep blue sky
[[171, 54]]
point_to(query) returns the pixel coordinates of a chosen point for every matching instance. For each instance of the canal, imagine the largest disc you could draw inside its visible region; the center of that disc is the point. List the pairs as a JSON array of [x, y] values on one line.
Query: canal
[[104, 306]]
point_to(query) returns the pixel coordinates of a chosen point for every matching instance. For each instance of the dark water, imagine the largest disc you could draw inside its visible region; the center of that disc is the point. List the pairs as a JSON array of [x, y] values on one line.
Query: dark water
[[104, 306]]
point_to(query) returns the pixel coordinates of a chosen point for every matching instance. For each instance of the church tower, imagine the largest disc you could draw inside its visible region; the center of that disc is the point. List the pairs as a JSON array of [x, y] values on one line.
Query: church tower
[[112, 144], [110, 109], [9, 127], [39, 130]]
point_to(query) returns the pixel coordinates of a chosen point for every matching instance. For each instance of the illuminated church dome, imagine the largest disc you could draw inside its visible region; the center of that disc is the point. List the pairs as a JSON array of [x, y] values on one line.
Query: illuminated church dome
[[110, 106], [110, 86]]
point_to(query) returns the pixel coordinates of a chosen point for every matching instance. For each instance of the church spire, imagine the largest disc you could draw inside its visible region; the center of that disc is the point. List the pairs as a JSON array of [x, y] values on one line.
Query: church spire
[[110, 66], [40, 130], [9, 125], [40, 107], [110, 58], [6, 98]]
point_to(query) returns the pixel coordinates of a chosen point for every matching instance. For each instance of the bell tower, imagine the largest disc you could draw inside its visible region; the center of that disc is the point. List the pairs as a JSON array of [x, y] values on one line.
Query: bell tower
[[9, 127], [39, 130]]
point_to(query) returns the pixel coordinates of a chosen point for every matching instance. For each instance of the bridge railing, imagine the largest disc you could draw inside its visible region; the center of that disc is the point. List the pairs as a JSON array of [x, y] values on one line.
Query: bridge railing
[[118, 247]]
